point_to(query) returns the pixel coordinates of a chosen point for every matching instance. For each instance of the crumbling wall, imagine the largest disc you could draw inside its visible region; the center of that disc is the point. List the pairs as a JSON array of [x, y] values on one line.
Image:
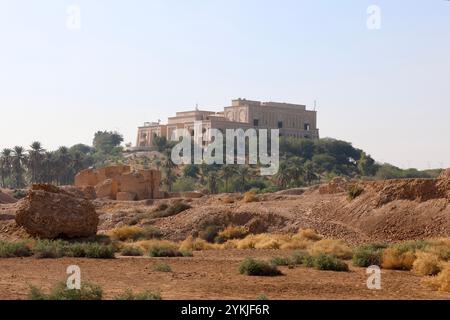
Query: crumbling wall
[[111, 181]]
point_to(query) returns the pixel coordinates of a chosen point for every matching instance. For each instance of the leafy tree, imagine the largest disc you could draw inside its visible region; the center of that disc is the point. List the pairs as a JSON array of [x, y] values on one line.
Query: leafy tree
[[107, 141]]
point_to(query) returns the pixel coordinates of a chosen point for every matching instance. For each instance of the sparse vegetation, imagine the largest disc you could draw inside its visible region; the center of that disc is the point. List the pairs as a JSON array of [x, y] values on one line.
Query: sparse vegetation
[[146, 295], [333, 247], [396, 259], [233, 232], [329, 263], [252, 267], [368, 255], [162, 267], [132, 251], [426, 264], [51, 249], [88, 291], [281, 261], [354, 191], [14, 249], [171, 210]]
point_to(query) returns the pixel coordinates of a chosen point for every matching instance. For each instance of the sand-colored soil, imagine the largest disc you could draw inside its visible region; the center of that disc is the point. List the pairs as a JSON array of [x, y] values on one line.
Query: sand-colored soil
[[210, 275]]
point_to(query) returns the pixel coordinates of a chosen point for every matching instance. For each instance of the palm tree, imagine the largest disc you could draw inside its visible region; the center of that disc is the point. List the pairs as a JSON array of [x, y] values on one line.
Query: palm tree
[[48, 167], [35, 162], [243, 172], [227, 173], [309, 173], [283, 177], [212, 182], [18, 166], [6, 165], [63, 167], [169, 179]]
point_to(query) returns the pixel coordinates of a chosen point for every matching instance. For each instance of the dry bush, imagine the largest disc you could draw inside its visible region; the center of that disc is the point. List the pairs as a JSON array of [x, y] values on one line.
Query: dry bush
[[426, 264], [147, 244], [296, 243], [396, 259], [250, 197], [309, 234], [195, 244], [440, 247], [442, 281], [126, 233], [337, 248], [233, 232]]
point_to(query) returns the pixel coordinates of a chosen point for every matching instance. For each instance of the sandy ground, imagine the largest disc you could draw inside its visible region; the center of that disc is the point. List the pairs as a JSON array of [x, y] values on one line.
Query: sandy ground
[[209, 275]]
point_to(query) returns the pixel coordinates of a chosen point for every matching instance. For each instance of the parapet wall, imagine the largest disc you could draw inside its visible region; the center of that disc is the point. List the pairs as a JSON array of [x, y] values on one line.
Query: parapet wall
[[129, 184]]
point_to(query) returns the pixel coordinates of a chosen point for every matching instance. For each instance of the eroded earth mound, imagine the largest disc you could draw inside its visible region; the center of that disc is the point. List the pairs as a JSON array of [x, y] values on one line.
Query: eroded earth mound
[[50, 212]]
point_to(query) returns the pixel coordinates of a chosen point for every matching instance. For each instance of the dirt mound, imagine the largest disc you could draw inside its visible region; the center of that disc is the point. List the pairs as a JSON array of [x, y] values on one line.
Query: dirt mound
[[50, 212], [336, 185], [6, 198]]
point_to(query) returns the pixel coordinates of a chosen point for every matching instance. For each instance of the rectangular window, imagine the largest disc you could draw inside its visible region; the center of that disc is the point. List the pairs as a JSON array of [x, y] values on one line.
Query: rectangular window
[[307, 127], [255, 122], [280, 124]]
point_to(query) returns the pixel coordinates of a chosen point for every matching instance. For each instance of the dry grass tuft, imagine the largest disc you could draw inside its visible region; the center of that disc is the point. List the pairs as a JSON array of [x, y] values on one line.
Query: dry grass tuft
[[426, 264], [195, 244], [337, 248], [397, 259], [309, 234], [125, 233], [233, 232], [250, 196], [442, 281]]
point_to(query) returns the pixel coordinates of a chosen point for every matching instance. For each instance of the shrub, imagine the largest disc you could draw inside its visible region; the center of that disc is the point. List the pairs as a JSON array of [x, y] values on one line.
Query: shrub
[[252, 267], [132, 251], [164, 251], [87, 291], [354, 191], [426, 264], [301, 257], [146, 295], [262, 297], [48, 249], [150, 232], [337, 248], [330, 263], [442, 280], [250, 196], [194, 244], [98, 251], [209, 233], [412, 246], [172, 210], [233, 232], [368, 255], [162, 267], [281, 261], [126, 233], [397, 259], [14, 249]]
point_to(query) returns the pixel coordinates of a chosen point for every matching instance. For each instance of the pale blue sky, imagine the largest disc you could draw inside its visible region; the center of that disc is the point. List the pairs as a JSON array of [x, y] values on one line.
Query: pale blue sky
[[387, 91]]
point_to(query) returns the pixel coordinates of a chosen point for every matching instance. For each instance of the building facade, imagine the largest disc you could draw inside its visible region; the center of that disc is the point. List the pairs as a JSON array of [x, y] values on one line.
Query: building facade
[[291, 119]]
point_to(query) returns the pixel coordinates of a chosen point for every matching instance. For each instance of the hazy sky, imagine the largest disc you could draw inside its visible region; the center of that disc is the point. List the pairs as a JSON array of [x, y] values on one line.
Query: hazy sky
[[387, 91]]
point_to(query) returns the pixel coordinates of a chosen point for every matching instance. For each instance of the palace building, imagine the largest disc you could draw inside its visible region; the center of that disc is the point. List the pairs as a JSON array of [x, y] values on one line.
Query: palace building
[[291, 119]]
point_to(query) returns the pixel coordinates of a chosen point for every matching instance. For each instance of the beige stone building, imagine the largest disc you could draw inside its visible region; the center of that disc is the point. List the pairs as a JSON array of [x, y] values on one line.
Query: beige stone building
[[292, 120]]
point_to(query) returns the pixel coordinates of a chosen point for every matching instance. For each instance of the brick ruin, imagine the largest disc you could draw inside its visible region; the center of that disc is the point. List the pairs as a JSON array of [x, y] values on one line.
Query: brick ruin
[[121, 183]]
